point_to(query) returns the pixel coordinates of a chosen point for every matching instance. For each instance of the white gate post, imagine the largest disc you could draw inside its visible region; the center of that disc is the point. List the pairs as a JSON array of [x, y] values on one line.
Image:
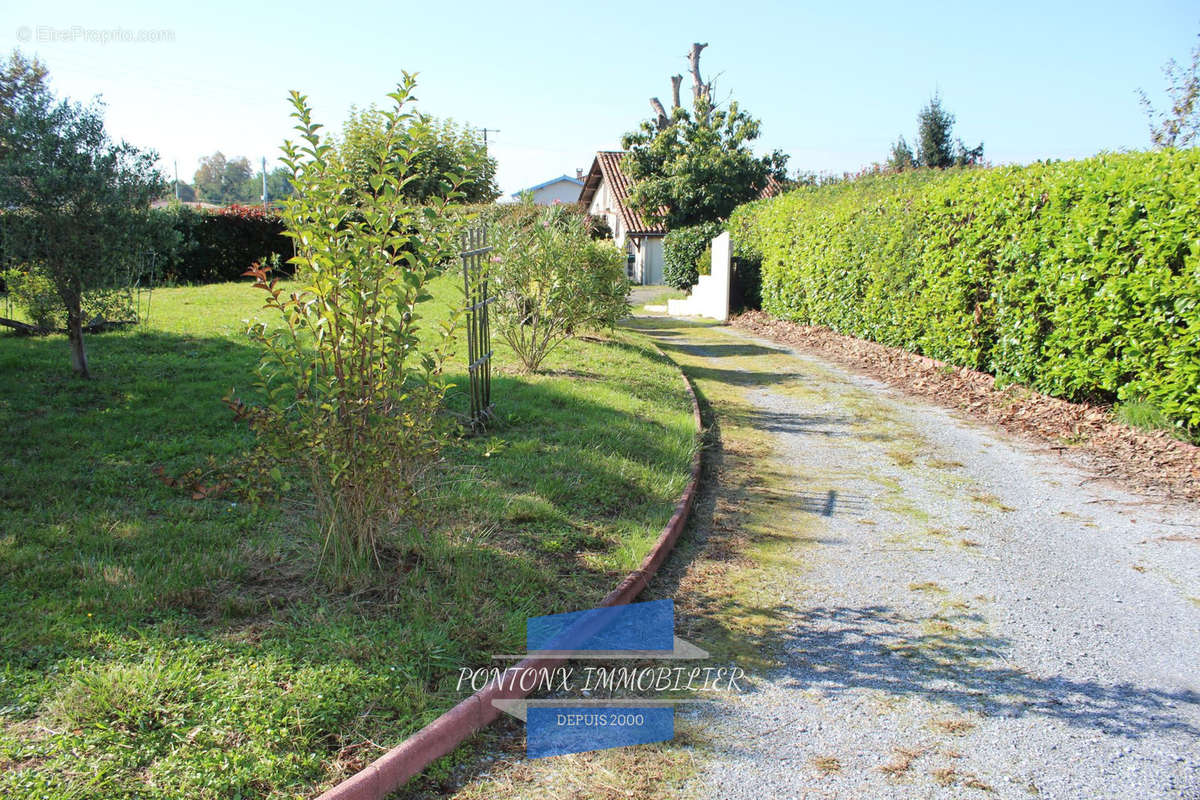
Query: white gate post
[[722, 274], [710, 295]]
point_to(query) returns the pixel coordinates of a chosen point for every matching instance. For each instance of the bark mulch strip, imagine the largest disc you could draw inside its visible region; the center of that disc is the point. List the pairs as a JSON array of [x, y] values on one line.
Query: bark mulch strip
[[1151, 461]]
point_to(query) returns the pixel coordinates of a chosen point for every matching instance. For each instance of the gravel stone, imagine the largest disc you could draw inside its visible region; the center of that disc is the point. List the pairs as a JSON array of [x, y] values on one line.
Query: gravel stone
[[1008, 626]]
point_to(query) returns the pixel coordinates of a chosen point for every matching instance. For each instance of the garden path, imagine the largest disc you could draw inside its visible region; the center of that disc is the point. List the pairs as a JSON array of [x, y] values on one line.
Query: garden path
[[971, 616]]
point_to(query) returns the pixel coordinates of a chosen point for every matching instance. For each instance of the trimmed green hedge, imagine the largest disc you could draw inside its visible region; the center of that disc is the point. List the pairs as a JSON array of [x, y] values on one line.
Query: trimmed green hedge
[[1079, 278], [682, 249], [221, 244]]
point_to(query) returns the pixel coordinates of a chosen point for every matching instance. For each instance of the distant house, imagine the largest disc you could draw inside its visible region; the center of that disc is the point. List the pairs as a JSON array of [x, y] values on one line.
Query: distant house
[[563, 189], [606, 194]]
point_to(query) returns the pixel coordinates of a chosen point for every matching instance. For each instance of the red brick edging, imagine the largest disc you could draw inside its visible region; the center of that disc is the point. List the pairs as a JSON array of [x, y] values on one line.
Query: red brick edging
[[395, 767]]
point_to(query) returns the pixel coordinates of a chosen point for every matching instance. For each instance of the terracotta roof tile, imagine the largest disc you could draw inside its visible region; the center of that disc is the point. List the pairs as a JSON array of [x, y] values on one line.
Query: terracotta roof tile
[[772, 188], [607, 165]]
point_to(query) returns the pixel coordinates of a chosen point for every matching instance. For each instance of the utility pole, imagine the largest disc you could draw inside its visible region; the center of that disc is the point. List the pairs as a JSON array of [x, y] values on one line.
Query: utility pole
[[176, 181], [485, 133], [264, 174]]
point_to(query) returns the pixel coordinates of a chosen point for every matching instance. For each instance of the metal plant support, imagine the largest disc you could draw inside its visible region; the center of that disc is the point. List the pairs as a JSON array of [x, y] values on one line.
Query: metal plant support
[[479, 334]]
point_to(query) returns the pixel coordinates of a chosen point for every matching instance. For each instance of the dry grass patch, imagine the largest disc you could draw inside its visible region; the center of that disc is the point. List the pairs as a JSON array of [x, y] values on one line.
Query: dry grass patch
[[902, 761], [943, 463], [989, 499], [826, 764], [958, 727], [648, 772]]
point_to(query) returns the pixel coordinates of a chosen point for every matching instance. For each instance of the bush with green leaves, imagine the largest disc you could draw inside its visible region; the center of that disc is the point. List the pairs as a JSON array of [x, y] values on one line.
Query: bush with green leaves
[[354, 390], [437, 147], [30, 289], [745, 261], [682, 250], [551, 279], [1078, 278]]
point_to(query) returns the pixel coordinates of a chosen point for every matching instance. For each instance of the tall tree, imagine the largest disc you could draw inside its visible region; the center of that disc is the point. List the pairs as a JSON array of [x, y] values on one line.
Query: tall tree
[[222, 180], [209, 174], [936, 147], [934, 125], [901, 157], [279, 186], [1180, 126], [693, 166], [77, 204], [21, 80], [237, 173]]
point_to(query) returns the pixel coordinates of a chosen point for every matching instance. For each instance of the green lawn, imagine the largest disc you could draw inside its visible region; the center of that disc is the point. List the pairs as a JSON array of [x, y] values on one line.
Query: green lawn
[[156, 645]]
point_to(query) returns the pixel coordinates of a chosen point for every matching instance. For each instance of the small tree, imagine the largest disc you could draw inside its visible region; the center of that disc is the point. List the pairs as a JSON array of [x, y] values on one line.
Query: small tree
[[551, 279], [77, 204], [1179, 127], [901, 157], [354, 391], [697, 166]]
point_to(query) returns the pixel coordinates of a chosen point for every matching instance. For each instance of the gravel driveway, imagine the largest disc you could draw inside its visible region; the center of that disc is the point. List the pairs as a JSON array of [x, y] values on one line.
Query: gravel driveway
[[977, 618]]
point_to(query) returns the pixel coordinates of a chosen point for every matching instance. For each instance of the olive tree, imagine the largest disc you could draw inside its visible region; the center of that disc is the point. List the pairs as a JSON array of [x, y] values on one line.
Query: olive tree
[[76, 204]]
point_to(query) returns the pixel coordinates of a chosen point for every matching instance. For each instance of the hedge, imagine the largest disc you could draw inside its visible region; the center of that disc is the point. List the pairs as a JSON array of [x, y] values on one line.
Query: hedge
[[682, 249], [220, 245], [1080, 279]]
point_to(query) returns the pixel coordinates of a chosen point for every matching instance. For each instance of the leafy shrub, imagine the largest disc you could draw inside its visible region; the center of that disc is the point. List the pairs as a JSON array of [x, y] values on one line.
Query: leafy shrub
[[551, 279], [682, 249], [508, 214], [220, 245], [31, 289], [745, 262], [354, 393], [437, 147], [1080, 279], [704, 261]]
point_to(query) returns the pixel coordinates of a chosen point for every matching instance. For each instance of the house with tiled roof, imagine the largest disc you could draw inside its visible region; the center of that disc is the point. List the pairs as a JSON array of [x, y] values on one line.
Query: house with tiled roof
[[563, 189], [605, 194]]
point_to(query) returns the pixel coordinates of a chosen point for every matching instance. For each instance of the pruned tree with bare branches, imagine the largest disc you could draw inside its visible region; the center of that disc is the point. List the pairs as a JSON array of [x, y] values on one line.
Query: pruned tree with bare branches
[[1180, 126], [696, 165], [701, 90]]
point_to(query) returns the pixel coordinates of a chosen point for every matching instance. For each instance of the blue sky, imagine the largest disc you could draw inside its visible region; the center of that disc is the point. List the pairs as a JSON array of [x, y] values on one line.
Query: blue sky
[[833, 83]]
